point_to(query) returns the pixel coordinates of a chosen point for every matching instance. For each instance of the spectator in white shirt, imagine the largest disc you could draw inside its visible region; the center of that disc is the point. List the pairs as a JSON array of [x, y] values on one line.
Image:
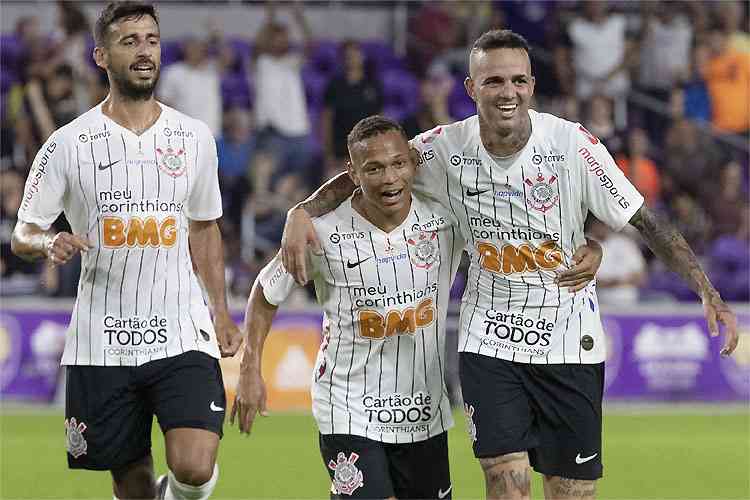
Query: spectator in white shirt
[[623, 268]]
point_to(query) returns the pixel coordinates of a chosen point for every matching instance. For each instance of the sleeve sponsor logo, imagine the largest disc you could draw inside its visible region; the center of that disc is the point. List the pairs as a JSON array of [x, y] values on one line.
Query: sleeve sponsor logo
[[594, 167], [139, 232], [517, 332], [280, 271], [467, 161], [425, 157], [38, 171], [512, 259], [591, 137], [376, 326], [432, 135]]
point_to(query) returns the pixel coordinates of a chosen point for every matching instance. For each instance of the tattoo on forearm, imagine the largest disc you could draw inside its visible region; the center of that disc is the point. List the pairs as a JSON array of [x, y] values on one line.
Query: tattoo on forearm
[[670, 246], [329, 196]]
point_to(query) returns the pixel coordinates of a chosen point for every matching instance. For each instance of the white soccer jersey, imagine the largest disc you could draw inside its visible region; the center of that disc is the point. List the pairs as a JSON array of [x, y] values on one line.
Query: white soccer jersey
[[523, 217], [131, 196], [379, 372]]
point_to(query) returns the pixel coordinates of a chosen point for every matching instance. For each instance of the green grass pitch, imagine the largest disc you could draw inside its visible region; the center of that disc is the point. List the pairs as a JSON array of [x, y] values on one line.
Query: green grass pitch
[[664, 455]]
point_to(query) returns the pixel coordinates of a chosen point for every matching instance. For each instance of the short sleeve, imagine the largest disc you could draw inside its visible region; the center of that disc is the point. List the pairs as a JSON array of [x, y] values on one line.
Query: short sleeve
[[204, 202], [430, 180], [46, 185], [276, 282], [607, 193]]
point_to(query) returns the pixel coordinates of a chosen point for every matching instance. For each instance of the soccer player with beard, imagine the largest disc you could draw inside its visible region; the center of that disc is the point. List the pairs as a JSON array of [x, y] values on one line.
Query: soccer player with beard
[[138, 183], [521, 184]]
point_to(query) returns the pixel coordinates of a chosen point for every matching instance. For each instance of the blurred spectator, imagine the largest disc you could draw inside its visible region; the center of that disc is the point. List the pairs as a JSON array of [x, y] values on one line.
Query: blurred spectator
[[433, 104], [691, 158], [11, 193], [730, 261], [192, 85], [600, 122], [349, 97], [691, 100], [728, 204], [73, 47], [236, 149], [601, 52], [733, 19], [727, 75], [691, 220], [639, 168], [52, 104], [623, 269], [280, 106]]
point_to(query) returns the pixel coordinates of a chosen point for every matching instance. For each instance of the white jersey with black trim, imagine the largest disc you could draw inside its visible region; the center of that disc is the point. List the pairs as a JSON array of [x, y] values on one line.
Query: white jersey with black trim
[[523, 217], [131, 196], [379, 371]]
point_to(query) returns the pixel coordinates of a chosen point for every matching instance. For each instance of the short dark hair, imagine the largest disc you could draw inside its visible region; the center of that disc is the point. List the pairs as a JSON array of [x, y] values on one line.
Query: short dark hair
[[500, 39], [372, 126], [115, 11]]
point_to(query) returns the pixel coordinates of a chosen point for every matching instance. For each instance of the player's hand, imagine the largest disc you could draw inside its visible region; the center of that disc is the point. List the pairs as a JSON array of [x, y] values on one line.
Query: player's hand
[[227, 334], [250, 399], [716, 312], [61, 247], [586, 262], [298, 234]]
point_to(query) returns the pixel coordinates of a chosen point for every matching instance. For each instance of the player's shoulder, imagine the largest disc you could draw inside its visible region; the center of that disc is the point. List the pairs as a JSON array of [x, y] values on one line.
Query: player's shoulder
[[177, 123], [550, 127], [453, 135]]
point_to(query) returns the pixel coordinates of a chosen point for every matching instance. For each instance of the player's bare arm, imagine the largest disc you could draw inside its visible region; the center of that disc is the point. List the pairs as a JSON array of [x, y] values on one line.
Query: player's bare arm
[[299, 231], [670, 246], [251, 389], [208, 255], [586, 262], [31, 242]]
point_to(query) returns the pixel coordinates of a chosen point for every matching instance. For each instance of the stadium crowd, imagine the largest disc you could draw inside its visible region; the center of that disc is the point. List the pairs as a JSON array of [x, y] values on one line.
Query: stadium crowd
[[665, 85]]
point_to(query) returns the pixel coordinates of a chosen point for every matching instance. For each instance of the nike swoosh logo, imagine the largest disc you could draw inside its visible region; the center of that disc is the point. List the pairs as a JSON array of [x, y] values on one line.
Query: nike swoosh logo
[[469, 192], [214, 407], [443, 494], [350, 265], [104, 167], [580, 460]]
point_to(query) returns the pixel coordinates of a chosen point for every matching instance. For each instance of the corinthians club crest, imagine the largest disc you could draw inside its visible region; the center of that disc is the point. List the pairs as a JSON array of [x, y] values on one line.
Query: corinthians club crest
[[423, 249], [346, 476], [75, 442], [542, 193], [172, 161]]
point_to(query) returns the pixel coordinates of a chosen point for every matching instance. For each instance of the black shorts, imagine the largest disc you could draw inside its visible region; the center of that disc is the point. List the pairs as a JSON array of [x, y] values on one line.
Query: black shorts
[[109, 409], [363, 468], [552, 411]]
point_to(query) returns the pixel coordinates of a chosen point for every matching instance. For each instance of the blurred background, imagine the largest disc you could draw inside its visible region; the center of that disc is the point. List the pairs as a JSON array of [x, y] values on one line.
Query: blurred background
[[665, 85]]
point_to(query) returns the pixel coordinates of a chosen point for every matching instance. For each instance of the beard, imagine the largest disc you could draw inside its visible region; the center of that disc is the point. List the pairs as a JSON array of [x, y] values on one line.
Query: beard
[[134, 91]]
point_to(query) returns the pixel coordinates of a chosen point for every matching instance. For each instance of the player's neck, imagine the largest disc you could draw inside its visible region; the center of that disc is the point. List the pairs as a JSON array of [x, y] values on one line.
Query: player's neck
[[502, 143], [384, 221], [135, 115]]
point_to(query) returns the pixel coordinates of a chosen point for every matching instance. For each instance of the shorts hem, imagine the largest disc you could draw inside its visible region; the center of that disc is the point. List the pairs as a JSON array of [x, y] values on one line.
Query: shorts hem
[[191, 424], [566, 475], [102, 467], [503, 451]]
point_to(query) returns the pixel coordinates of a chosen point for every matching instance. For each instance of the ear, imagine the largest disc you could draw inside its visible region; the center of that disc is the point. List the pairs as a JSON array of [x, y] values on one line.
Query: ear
[[352, 172], [532, 84], [469, 86], [100, 57]]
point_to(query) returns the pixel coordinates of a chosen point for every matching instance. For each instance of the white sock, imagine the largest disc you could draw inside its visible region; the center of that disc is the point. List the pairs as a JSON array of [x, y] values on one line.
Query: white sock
[[179, 491]]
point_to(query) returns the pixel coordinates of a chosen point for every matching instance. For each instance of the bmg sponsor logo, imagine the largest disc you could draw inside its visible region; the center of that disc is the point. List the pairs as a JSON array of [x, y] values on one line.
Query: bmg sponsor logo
[[398, 409], [376, 326], [37, 173], [467, 161], [511, 259], [139, 232], [606, 182], [337, 238], [516, 332]]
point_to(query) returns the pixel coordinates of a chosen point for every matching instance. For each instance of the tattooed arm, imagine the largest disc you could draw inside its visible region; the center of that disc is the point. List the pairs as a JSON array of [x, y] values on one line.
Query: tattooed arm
[[670, 246], [299, 231]]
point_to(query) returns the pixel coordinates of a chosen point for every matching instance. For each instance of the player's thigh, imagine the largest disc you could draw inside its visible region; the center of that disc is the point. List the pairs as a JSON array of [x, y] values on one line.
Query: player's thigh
[[561, 488], [568, 402], [107, 420], [358, 466], [420, 469], [497, 407], [187, 392]]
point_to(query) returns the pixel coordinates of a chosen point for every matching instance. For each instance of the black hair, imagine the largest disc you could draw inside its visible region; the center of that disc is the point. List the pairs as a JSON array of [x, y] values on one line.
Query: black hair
[[116, 11], [372, 126], [500, 39]]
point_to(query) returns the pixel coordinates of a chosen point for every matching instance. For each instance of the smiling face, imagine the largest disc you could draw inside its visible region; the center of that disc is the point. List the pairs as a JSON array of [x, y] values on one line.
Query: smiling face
[[382, 167], [501, 84], [132, 56]]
